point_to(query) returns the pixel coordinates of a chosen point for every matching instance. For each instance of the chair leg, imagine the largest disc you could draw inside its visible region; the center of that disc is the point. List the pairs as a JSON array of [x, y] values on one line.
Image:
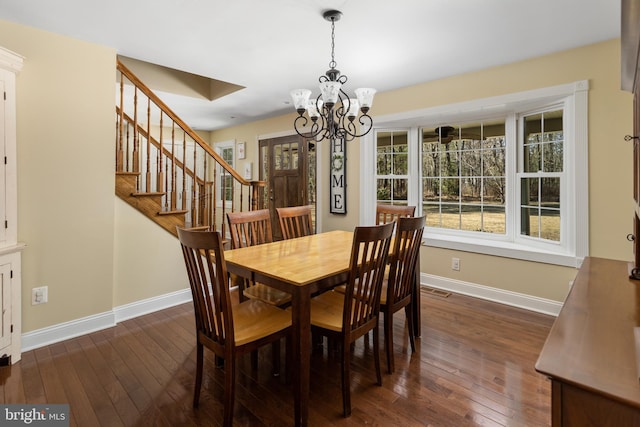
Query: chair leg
[[288, 357], [317, 342], [388, 341], [199, 365], [219, 361], [254, 360], [409, 312], [346, 379], [229, 391], [275, 352], [332, 346], [376, 353]]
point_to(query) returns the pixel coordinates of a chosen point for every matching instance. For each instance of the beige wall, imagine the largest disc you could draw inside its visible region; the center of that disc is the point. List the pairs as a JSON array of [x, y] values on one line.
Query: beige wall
[[95, 254], [93, 251], [609, 160], [148, 259], [65, 131]]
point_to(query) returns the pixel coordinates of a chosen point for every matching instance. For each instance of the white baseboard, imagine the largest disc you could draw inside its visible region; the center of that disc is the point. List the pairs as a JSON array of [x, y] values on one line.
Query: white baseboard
[[63, 331], [528, 302], [138, 308]]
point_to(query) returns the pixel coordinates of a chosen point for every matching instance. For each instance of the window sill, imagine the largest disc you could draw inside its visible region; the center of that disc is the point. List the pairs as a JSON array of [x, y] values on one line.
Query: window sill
[[501, 249]]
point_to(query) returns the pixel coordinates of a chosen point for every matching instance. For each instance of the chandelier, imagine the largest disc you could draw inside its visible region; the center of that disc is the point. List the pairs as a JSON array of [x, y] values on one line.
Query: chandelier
[[332, 113]]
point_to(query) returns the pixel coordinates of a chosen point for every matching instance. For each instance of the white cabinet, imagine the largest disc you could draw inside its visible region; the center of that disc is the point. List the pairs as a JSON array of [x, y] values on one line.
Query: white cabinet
[[10, 295], [10, 248]]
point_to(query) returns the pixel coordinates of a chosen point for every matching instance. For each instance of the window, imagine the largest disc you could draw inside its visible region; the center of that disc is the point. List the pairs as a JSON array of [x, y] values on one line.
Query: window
[[392, 167], [224, 180], [504, 176], [463, 177], [540, 175]]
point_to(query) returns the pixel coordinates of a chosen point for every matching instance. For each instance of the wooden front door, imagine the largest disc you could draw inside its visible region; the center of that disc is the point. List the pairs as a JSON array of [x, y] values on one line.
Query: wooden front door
[[284, 165]]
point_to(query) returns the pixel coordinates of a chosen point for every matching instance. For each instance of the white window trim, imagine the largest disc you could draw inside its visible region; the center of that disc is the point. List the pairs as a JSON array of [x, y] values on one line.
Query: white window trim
[[576, 227], [218, 147]]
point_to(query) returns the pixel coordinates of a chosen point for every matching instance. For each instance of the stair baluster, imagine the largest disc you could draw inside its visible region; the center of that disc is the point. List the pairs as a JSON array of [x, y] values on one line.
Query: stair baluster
[[173, 185]]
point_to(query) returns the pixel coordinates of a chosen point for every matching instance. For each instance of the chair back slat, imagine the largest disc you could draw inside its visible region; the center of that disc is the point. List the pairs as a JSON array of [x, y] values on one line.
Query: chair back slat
[[295, 221], [249, 228], [389, 213], [407, 241], [212, 305], [369, 256]]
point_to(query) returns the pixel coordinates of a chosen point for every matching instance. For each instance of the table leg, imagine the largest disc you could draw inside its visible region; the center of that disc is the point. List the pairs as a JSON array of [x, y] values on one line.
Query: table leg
[[301, 319]]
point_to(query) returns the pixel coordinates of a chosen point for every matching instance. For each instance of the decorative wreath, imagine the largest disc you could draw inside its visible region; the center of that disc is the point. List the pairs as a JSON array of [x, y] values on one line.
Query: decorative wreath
[[337, 162]]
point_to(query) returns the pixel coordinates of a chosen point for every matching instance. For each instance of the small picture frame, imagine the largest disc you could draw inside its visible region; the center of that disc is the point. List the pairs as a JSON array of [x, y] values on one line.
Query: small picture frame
[[241, 150]]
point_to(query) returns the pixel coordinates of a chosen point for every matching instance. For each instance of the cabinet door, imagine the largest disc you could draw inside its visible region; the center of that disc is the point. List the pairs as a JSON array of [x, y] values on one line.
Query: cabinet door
[[5, 319], [3, 167]]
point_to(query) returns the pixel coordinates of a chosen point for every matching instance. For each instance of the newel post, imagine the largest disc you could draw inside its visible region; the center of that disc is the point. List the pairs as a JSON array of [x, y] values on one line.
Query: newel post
[[257, 201]]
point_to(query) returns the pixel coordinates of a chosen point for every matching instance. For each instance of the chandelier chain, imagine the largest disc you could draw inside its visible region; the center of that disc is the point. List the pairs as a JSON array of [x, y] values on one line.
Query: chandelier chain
[[333, 63]]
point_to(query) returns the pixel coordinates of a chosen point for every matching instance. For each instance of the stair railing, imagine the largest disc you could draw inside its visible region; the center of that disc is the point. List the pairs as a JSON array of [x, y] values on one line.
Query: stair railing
[[169, 158]]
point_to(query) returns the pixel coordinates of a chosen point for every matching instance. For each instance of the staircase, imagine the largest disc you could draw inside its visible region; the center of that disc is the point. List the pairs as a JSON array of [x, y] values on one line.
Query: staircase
[[166, 171]]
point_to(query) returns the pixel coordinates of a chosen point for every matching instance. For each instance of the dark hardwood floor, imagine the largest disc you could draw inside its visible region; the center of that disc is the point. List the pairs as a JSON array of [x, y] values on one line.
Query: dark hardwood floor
[[474, 366]]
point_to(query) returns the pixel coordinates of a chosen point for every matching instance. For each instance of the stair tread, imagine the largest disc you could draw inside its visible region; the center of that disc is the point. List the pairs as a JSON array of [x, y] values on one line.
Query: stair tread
[[173, 212], [151, 193]]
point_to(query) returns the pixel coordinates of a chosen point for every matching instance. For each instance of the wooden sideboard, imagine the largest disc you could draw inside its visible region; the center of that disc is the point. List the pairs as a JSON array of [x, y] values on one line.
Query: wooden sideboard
[[590, 354]]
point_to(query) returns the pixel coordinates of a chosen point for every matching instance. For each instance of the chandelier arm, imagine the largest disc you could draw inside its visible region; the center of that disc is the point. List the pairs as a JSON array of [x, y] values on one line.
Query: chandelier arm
[[340, 112], [318, 128], [342, 101], [350, 129], [367, 122], [301, 122], [344, 134]]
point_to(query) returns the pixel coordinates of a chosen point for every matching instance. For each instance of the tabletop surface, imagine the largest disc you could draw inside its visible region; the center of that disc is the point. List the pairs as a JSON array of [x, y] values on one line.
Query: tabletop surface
[[297, 261]]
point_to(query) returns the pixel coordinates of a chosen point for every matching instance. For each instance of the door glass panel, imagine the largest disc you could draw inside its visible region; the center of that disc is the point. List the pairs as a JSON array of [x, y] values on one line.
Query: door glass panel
[[277, 157], [286, 157], [294, 156]]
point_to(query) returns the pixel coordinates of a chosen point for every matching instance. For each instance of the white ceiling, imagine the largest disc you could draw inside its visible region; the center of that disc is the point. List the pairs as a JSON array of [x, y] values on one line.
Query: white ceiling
[[273, 46]]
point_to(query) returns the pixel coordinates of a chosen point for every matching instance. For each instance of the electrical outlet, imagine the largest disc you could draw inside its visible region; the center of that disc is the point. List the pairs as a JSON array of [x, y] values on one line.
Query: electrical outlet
[[39, 295], [455, 264]]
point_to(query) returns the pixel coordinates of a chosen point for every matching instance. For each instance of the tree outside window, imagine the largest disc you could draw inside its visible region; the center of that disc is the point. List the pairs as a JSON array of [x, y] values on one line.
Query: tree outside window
[[463, 176]]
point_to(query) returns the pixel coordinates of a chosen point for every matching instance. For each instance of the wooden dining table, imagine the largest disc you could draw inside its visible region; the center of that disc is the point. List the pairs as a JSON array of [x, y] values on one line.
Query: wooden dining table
[[301, 267]]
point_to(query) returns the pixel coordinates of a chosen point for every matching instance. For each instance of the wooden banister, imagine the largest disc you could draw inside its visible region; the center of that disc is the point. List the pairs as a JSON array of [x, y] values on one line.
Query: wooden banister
[[160, 156], [174, 117]]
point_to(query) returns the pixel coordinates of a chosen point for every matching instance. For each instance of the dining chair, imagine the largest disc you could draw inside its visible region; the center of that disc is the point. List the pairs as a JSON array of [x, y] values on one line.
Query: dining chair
[[388, 213], [385, 214], [295, 221], [346, 317], [399, 285], [227, 330], [250, 228]]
